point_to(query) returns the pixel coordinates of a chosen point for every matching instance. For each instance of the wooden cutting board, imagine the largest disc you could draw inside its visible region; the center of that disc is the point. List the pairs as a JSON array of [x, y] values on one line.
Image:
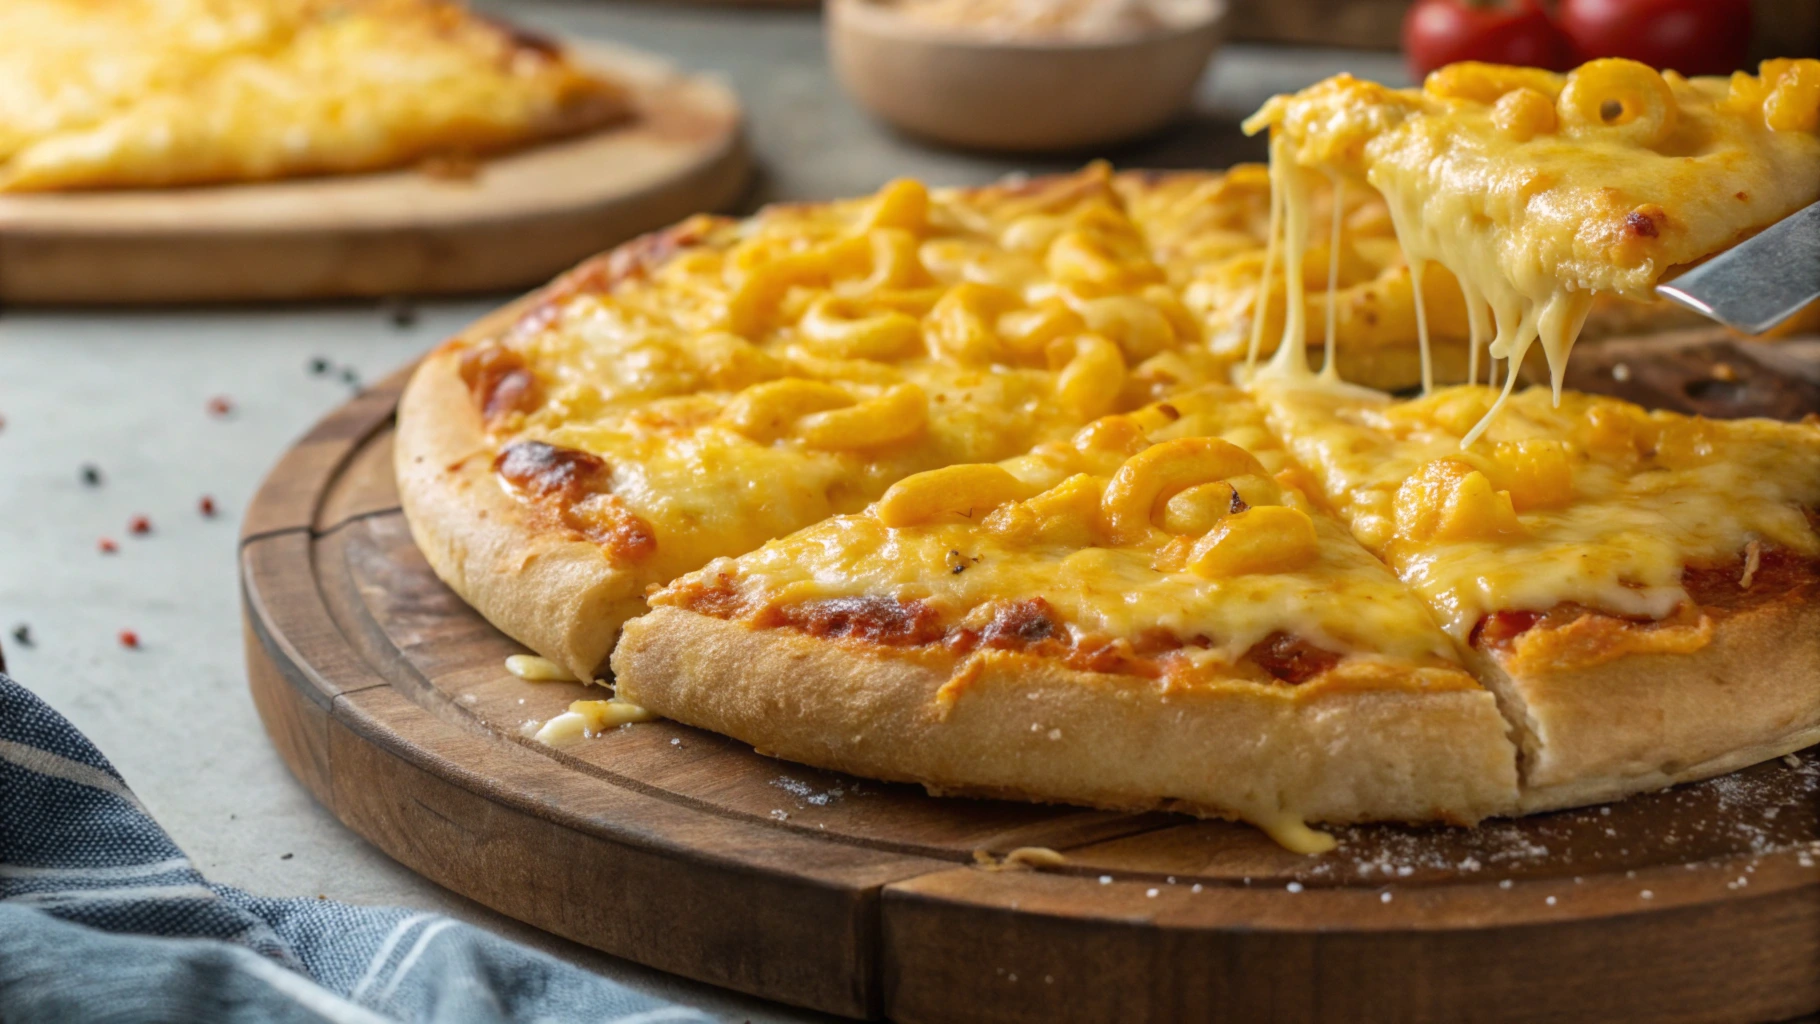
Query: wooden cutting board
[[689, 852], [520, 219]]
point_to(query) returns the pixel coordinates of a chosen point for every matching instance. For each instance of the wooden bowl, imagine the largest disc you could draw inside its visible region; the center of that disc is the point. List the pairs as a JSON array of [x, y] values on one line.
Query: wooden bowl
[[987, 92]]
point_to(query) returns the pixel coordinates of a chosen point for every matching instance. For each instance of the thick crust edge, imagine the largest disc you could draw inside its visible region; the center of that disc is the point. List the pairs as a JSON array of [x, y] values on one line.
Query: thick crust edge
[[1647, 721], [559, 596], [1036, 730]]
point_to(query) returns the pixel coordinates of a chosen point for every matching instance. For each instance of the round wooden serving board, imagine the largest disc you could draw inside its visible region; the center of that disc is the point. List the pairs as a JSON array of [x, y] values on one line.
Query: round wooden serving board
[[520, 219], [691, 853]]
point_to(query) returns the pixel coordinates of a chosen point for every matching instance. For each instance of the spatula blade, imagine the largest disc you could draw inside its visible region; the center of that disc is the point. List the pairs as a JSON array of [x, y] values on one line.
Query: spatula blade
[[1756, 285]]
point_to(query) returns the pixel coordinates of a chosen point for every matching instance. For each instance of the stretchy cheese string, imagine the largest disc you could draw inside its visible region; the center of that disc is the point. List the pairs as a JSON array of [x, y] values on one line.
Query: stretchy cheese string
[[1478, 326], [1290, 230], [1292, 351], [1417, 264], [1553, 318], [1260, 307], [1330, 370]]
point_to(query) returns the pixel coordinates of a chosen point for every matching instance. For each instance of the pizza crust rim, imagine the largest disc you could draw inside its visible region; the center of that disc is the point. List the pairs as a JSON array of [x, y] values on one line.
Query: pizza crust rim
[[1338, 757], [1646, 721], [561, 597]]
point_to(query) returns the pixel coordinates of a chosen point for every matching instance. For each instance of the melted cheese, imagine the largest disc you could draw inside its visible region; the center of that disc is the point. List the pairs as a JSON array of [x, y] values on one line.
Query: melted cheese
[[1540, 191], [1610, 503], [535, 669], [977, 300], [1098, 587], [586, 719], [133, 93], [1344, 601]]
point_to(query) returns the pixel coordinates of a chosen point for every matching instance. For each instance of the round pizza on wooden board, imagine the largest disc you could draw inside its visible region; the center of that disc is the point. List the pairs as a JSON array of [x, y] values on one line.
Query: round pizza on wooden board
[[951, 487]]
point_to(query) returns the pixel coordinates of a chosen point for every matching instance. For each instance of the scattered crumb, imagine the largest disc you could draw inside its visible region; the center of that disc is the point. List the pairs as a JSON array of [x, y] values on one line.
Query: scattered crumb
[[1620, 372], [1105, 879], [1151, 893], [1035, 857], [1383, 897], [1294, 887]]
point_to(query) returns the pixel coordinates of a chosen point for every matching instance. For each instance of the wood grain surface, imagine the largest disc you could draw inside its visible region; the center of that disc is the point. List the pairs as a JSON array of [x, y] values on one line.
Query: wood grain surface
[[521, 218], [691, 853]]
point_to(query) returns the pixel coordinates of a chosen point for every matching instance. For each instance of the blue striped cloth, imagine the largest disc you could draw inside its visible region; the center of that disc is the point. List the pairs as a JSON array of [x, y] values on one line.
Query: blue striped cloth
[[102, 918]]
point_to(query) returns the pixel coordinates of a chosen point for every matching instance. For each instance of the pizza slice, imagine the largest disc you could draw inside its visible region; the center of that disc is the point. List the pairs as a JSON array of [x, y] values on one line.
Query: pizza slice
[[1540, 191], [1150, 615], [179, 92], [1209, 233], [702, 391], [1641, 589]]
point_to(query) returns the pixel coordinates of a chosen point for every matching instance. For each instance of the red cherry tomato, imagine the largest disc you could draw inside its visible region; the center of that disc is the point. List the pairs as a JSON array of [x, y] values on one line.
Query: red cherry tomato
[[1694, 37], [1437, 32]]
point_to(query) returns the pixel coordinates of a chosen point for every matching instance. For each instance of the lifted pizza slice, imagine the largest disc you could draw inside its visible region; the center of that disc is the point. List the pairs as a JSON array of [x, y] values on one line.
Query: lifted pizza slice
[[1151, 615], [1642, 589], [1539, 191]]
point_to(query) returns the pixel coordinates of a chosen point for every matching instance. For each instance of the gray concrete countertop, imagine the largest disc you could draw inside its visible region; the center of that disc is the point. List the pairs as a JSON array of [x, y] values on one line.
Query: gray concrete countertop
[[128, 391]]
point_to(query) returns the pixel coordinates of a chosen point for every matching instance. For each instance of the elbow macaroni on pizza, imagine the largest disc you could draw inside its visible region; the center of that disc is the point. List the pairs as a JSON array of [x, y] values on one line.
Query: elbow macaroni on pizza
[[1031, 490]]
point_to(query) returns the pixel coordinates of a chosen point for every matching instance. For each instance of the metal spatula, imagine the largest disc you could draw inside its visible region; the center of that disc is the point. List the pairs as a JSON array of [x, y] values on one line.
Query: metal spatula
[[1755, 286]]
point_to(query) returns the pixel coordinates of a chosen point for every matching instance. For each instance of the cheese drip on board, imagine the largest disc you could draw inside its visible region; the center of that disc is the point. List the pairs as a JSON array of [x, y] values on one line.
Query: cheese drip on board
[[1539, 191]]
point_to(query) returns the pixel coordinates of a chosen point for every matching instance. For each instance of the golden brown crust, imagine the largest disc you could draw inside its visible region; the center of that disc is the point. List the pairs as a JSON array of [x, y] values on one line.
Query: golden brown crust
[[1032, 728], [556, 594], [1596, 732]]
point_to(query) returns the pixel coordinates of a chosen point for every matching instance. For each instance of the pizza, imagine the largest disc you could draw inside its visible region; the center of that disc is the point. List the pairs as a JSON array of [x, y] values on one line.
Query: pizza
[[1540, 191], [1640, 589], [1150, 614], [984, 489], [703, 390], [146, 93]]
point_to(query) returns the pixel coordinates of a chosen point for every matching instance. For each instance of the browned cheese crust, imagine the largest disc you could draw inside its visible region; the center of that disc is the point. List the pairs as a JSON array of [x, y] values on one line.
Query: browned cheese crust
[[1104, 740], [553, 592]]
